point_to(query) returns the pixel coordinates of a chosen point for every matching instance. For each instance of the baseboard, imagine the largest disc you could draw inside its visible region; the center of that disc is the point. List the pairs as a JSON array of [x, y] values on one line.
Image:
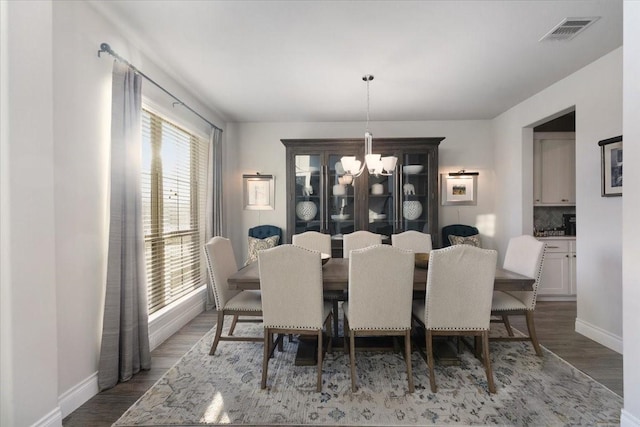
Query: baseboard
[[77, 395], [169, 321], [628, 420], [599, 335], [52, 419], [161, 326], [556, 298]]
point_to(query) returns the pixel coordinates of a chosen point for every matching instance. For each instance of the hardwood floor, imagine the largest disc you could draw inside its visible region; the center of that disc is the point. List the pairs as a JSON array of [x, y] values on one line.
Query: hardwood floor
[[554, 324]]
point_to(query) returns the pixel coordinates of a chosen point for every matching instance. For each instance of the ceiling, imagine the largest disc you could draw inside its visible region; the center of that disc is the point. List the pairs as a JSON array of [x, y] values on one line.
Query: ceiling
[[287, 61]]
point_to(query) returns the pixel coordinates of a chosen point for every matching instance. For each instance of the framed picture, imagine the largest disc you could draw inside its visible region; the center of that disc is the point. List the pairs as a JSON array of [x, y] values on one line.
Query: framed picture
[[611, 166], [259, 192], [459, 189]]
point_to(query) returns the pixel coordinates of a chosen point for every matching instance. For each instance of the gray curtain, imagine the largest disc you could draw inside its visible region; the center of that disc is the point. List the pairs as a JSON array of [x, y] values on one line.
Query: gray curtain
[[125, 332], [213, 227]]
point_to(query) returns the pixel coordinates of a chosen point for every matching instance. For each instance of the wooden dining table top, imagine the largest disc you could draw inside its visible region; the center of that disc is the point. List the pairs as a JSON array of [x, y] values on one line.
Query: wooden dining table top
[[335, 277]]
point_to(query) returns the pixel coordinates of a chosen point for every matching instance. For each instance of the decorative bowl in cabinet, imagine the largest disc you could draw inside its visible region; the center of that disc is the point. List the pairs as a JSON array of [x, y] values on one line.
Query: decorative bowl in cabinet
[[306, 210], [325, 258], [422, 259], [411, 209], [412, 169], [340, 217]]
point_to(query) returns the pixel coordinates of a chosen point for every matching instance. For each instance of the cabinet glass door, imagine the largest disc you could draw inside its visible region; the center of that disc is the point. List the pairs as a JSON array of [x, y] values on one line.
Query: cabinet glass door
[[308, 193], [415, 192], [382, 199], [341, 205]]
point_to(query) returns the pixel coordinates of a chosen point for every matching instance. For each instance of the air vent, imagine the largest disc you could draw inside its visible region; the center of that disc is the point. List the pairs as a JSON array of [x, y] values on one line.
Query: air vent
[[569, 28]]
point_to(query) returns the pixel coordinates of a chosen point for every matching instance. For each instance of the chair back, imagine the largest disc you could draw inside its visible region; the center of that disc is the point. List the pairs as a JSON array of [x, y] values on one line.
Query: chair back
[[457, 230], [525, 255], [460, 288], [221, 263], [412, 240], [313, 240], [358, 240], [264, 231], [380, 288], [291, 287]]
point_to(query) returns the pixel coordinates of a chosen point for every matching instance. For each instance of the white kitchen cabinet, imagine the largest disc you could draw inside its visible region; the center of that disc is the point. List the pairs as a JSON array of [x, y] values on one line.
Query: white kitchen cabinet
[[559, 268], [554, 169]]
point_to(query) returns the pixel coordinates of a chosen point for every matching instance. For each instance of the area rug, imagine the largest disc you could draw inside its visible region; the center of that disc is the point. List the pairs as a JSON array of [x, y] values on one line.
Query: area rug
[[225, 389]]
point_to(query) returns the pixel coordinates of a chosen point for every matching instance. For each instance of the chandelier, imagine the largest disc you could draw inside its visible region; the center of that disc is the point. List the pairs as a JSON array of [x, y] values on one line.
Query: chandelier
[[376, 164]]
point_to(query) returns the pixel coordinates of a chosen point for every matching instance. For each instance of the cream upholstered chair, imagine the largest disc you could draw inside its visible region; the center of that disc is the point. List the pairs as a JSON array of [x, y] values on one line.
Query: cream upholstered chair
[[313, 240], [321, 242], [412, 240], [380, 293], [525, 255], [458, 299], [358, 240], [221, 263], [291, 285]]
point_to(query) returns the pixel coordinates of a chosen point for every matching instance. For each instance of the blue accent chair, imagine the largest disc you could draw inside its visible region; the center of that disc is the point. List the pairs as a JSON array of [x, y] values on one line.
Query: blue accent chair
[[457, 230], [264, 231]]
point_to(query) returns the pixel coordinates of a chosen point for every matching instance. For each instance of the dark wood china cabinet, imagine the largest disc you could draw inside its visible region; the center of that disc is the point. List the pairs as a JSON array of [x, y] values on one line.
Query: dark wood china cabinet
[[404, 200]]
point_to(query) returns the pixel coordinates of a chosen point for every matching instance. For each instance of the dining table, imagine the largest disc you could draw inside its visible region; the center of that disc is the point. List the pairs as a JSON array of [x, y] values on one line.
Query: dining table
[[335, 277]]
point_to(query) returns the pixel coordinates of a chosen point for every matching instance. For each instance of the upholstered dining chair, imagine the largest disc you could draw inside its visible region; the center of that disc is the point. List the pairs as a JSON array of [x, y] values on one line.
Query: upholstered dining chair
[[460, 230], [313, 240], [412, 240], [321, 242], [358, 240], [291, 285], [221, 263], [458, 300], [264, 231], [525, 255], [380, 293]]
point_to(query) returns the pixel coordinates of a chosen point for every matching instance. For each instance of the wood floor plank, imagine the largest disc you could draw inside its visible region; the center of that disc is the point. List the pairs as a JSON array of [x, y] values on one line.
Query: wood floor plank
[[555, 324]]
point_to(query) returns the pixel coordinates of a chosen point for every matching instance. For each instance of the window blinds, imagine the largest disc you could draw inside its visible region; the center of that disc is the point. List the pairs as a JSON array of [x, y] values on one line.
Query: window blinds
[[174, 172]]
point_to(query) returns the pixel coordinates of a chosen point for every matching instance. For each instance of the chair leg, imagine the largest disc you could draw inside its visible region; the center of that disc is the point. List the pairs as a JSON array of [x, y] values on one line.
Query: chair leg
[[265, 358], [532, 332], [233, 324], [429, 347], [487, 361], [335, 317], [216, 340], [407, 350], [345, 347], [507, 324], [319, 384], [352, 360], [328, 327]]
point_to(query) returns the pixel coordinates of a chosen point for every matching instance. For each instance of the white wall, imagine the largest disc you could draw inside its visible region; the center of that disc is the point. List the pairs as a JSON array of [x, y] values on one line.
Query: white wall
[[596, 93], [256, 147], [82, 111], [631, 208], [29, 336], [55, 150]]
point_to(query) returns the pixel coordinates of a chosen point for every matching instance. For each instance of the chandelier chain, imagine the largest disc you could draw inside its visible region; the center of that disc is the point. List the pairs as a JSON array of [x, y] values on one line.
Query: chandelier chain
[[367, 126]]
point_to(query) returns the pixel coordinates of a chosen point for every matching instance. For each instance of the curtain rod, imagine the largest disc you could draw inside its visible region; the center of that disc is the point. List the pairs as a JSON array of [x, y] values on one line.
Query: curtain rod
[[104, 47]]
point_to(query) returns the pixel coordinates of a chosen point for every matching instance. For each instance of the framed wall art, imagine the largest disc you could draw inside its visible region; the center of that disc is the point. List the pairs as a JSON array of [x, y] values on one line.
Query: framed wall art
[[459, 188], [611, 166], [259, 192]]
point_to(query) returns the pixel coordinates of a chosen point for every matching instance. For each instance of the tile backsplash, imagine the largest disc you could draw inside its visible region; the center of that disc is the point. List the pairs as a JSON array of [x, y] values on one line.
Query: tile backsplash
[[550, 217]]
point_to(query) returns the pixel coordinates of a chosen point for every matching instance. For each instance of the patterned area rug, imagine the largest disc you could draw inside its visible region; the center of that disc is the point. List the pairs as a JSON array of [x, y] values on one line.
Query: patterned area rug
[[225, 389]]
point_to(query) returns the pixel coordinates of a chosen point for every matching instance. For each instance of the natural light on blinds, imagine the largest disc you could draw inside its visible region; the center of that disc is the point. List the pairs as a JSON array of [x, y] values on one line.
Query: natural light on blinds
[[174, 170]]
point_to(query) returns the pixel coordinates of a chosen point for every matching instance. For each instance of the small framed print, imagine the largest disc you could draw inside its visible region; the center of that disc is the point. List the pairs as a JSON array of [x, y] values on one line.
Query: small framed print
[[259, 192], [459, 189], [611, 166]]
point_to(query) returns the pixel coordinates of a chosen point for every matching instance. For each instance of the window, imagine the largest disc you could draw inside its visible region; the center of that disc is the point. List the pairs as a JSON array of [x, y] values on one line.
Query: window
[[174, 171]]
